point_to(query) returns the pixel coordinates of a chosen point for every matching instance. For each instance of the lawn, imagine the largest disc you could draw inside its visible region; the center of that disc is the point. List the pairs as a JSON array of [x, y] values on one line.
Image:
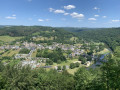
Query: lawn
[[34, 53], [72, 71], [104, 51], [8, 38], [65, 62]]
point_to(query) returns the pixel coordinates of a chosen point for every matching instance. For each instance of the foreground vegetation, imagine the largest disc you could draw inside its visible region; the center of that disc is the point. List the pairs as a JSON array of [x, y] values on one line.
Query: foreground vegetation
[[24, 78]]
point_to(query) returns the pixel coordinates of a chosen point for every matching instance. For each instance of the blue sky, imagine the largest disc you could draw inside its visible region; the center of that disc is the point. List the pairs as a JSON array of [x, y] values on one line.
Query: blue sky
[[61, 13]]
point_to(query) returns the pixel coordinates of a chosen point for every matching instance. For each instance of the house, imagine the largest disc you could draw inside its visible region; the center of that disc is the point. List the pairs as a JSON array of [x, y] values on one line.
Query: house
[[20, 56], [40, 47], [46, 66], [32, 63]]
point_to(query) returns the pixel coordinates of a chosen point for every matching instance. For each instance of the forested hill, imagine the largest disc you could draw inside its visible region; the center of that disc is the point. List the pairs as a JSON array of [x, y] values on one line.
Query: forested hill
[[110, 36], [41, 33]]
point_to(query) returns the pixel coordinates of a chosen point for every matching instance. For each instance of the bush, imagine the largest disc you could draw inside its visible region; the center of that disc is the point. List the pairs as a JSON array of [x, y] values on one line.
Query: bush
[[64, 68], [77, 64], [72, 65], [59, 68], [49, 62]]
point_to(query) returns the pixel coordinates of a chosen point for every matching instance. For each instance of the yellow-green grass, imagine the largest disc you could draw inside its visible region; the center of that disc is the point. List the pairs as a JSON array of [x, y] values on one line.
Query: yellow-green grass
[[1, 51], [65, 62], [98, 43], [13, 52], [43, 38], [73, 38], [6, 53], [10, 53], [34, 53], [8, 38], [104, 51], [72, 71]]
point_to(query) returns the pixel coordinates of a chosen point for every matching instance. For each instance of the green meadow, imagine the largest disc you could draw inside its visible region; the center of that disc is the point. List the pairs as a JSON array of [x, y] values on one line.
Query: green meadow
[[9, 38]]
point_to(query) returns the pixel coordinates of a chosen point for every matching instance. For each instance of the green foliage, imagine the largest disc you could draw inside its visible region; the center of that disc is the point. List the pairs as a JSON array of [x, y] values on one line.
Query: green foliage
[[72, 66], [106, 77], [23, 78], [82, 78], [82, 59], [55, 55], [110, 73], [59, 35], [77, 64], [59, 68], [64, 68], [49, 62], [110, 36]]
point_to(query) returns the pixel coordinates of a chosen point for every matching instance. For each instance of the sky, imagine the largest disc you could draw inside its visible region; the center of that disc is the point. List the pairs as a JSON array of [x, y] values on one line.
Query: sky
[[61, 13]]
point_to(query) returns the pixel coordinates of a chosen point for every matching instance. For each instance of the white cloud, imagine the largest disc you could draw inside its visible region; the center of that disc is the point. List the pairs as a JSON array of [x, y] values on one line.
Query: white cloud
[[69, 7], [92, 19], [40, 20], [66, 13], [14, 15], [77, 15], [96, 8], [104, 16], [51, 9], [9, 17], [59, 11], [115, 20], [96, 15]]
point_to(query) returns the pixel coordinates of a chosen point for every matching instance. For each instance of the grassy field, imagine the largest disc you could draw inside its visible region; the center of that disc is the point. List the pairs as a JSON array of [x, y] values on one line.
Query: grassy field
[[13, 52], [34, 53], [10, 53], [73, 38], [104, 51], [65, 62], [43, 38], [8, 38], [72, 71]]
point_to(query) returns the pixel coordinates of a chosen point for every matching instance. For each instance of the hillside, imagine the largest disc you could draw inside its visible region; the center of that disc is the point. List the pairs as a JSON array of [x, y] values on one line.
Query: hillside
[[40, 34], [110, 36]]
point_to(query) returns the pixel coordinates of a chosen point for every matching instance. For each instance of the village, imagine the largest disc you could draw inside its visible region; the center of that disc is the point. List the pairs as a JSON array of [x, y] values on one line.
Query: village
[[36, 62]]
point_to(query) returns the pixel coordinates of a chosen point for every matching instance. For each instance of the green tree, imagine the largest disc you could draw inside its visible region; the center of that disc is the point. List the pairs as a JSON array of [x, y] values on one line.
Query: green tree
[[59, 68], [64, 67], [72, 66], [77, 64]]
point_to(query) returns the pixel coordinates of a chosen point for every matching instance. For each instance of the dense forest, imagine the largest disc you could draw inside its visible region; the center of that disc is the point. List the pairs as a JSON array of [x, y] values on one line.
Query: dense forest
[[110, 36]]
